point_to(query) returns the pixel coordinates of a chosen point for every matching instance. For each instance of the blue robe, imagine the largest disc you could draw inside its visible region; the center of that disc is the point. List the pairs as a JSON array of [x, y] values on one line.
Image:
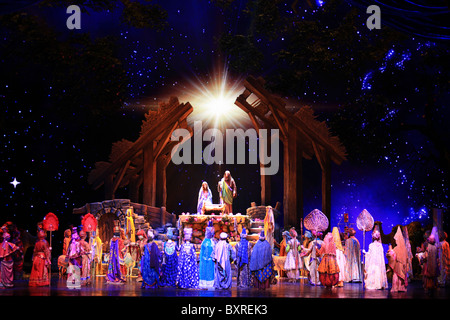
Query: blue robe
[[202, 198], [223, 254], [243, 252], [170, 265], [206, 265], [261, 261], [150, 265], [114, 274], [187, 276]]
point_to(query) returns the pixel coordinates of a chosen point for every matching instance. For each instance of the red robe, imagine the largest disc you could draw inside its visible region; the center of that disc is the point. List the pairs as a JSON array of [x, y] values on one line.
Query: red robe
[[41, 259]]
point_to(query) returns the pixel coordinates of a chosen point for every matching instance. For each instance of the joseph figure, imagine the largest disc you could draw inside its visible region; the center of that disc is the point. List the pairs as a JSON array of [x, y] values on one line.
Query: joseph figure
[[227, 191]]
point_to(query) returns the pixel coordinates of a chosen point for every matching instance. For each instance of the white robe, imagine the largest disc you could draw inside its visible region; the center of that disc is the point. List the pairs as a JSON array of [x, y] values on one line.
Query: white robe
[[375, 267]]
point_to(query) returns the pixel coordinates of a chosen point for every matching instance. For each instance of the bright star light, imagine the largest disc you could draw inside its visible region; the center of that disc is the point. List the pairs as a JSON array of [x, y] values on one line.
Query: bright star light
[[15, 183], [213, 101]]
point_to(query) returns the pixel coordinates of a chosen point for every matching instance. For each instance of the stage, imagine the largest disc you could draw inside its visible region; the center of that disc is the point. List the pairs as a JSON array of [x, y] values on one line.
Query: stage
[[281, 299], [283, 289]]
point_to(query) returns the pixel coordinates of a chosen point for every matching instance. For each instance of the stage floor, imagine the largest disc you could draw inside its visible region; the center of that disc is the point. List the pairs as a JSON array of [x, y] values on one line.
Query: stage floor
[[283, 289], [283, 299]]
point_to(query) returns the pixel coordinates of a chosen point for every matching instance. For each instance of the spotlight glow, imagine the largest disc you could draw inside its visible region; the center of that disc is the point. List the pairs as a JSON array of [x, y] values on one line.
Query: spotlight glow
[[213, 101]]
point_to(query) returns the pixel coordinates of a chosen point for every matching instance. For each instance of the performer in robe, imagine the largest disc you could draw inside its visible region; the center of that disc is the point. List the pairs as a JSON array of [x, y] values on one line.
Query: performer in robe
[[170, 261], [140, 246], [187, 275], [397, 259], [340, 257], [430, 261], [66, 242], [150, 263], [353, 272], [306, 246], [293, 263], [314, 258], [223, 255], [261, 263], [85, 252], [96, 254], [116, 247], [16, 239], [269, 226], [75, 261], [130, 231], [328, 268], [375, 267], [7, 250], [126, 244], [204, 197], [206, 264], [278, 260], [409, 268], [445, 259], [243, 254], [227, 191], [41, 260]]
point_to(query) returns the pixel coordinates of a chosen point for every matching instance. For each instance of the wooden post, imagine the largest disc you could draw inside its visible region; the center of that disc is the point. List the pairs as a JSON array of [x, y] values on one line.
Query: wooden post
[[265, 179], [299, 185], [149, 173], [133, 188], [161, 192], [290, 178]]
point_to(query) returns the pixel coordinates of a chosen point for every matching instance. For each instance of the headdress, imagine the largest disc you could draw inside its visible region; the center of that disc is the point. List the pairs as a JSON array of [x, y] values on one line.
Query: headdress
[[244, 233], [41, 235], [262, 236], [337, 238], [187, 233], [223, 235]]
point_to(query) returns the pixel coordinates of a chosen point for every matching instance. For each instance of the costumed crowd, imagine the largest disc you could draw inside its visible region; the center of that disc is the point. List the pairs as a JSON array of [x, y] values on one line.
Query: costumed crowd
[[329, 260]]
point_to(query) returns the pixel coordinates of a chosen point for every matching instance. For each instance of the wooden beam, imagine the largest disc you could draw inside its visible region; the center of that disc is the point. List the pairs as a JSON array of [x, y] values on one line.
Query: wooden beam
[[180, 113], [164, 140], [255, 87], [119, 176], [149, 174], [290, 159], [161, 189], [278, 120], [242, 103]]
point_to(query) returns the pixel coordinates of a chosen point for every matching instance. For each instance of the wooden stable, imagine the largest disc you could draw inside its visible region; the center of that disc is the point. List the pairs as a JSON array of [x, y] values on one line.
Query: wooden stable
[[302, 136], [142, 164]]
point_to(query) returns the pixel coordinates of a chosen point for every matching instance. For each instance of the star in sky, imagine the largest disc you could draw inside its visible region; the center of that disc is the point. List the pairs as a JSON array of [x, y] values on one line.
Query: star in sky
[[15, 183]]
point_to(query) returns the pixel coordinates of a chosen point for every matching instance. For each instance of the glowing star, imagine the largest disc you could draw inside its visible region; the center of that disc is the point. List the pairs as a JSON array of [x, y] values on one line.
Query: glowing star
[[213, 100], [15, 183]]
